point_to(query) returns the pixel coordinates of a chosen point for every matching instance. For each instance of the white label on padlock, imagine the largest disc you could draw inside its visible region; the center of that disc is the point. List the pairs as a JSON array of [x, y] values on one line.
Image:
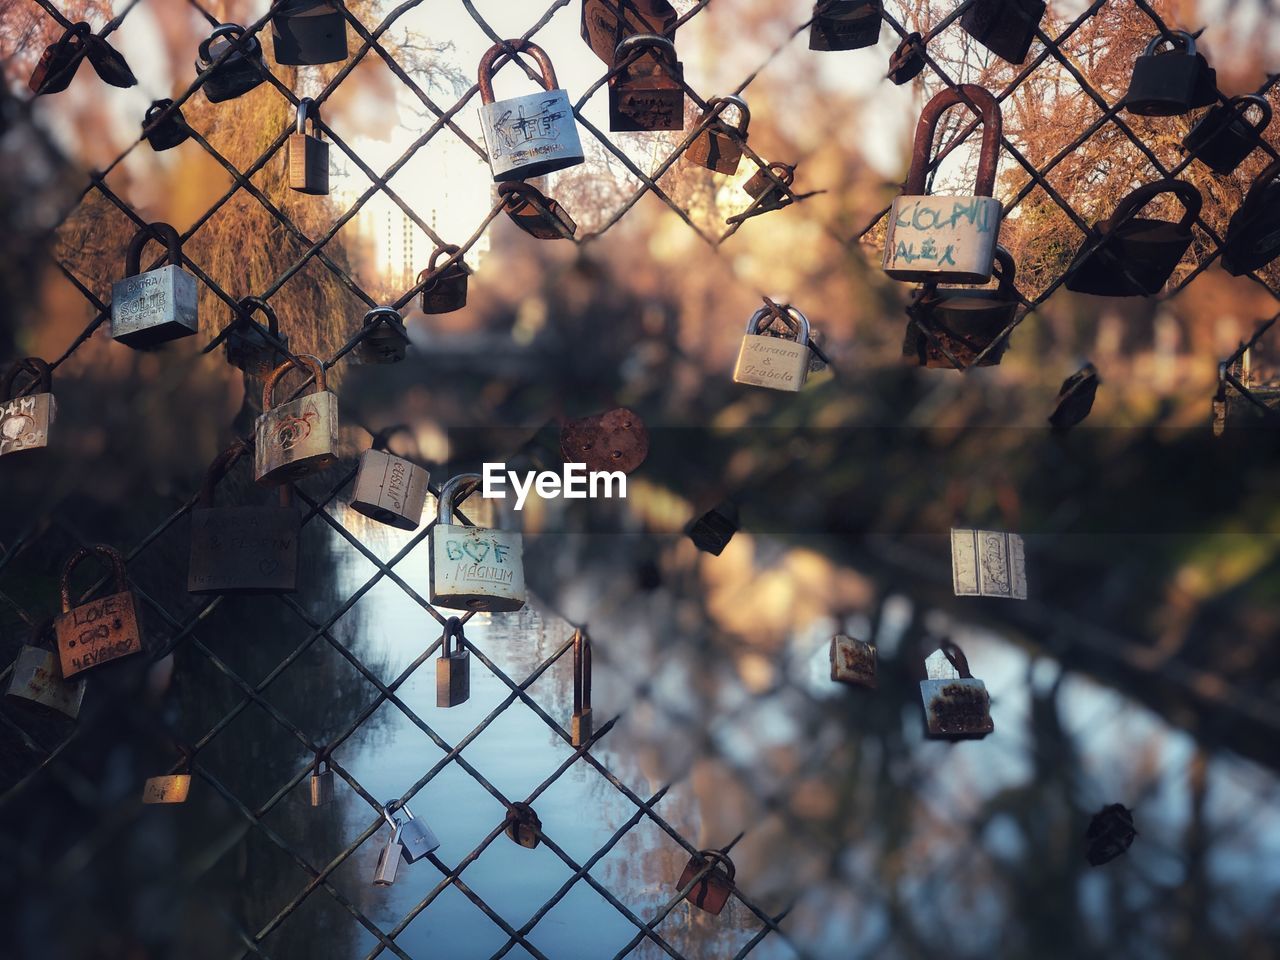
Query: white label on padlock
[[941, 237], [475, 568], [771, 362]]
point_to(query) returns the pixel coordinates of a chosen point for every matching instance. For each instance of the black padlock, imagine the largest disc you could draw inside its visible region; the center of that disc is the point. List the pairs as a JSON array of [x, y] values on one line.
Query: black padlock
[[309, 32], [1129, 256], [536, 214], [308, 152], [444, 289], [386, 340], [1224, 136], [1172, 80], [845, 24], [1005, 27], [1110, 833], [907, 61], [251, 348], [1253, 235], [1075, 399], [236, 72], [60, 60], [964, 320], [108, 63], [712, 531], [167, 132]]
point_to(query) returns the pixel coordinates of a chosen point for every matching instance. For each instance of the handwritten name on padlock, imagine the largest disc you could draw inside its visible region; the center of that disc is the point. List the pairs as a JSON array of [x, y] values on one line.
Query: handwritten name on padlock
[[96, 632], [480, 558]]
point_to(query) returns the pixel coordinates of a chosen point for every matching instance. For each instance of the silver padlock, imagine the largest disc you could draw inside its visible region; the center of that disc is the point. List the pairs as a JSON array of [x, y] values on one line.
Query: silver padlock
[[389, 857], [390, 489], [321, 781], [27, 412], [298, 438], [416, 838], [37, 679], [532, 135], [453, 667], [773, 361], [988, 563], [956, 705], [947, 237], [474, 568], [151, 308]]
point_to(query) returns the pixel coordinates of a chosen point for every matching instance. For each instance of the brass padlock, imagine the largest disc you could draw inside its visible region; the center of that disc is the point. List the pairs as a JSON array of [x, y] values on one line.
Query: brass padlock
[[581, 724], [845, 24], [770, 188], [853, 662], [606, 23], [148, 309], [645, 85], [988, 563], [389, 857], [297, 438], [712, 531], [535, 214], [1075, 399], [167, 131], [98, 631], [388, 488], [385, 338], [242, 550], [956, 706], [308, 152], [236, 62], [28, 411], [718, 146], [776, 361], [473, 568], [453, 667], [308, 32], [444, 288], [1110, 833], [710, 891], [172, 787], [523, 825], [60, 60], [255, 350], [37, 677], [321, 780], [532, 135]]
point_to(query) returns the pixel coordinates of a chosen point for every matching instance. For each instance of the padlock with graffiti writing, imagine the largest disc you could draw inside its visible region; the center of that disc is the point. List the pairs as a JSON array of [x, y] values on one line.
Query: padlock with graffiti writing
[[646, 92], [473, 568], [297, 438], [37, 681], [779, 362], [956, 704], [26, 410], [388, 488], [532, 135], [101, 630]]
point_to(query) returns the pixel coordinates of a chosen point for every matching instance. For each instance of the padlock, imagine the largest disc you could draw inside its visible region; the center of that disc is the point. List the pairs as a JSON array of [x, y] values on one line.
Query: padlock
[[297, 438], [453, 667], [388, 488], [1128, 256], [646, 93], [308, 152], [236, 60], [776, 361], [614, 440], [845, 24], [168, 789], [853, 662], [606, 23], [416, 838], [963, 320], [321, 780], [167, 132], [444, 288], [956, 706], [1110, 833], [947, 237], [988, 563], [1252, 401], [251, 348], [473, 568], [1224, 137], [242, 550], [712, 531], [1005, 27], [581, 723], [772, 188], [1075, 399], [309, 32], [535, 214], [523, 825], [148, 309], [60, 60], [110, 66], [906, 62], [37, 677], [1253, 237], [385, 339], [98, 631], [28, 411], [711, 891], [718, 146], [532, 135], [389, 857], [1170, 78]]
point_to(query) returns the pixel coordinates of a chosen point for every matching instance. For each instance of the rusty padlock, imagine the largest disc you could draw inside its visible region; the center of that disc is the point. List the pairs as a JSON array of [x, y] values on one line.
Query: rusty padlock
[[27, 411], [853, 662], [646, 92], [581, 723], [718, 146], [235, 73], [771, 189], [1075, 399], [242, 550], [37, 677], [845, 24], [1224, 136], [473, 568], [532, 135], [308, 152], [251, 348], [963, 320], [297, 438], [1170, 78], [148, 309], [164, 133], [444, 288], [1005, 27], [453, 667], [60, 60], [388, 488], [385, 340], [932, 237], [523, 825], [988, 563], [777, 361], [535, 214], [906, 62], [97, 631], [1252, 239], [606, 23], [172, 787], [1110, 833], [321, 779], [956, 706], [614, 440], [711, 891], [308, 32]]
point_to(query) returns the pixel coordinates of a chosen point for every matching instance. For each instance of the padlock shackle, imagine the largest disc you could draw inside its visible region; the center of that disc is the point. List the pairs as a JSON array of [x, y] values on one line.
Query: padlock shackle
[[218, 469], [640, 40], [303, 360], [235, 32], [388, 315], [1005, 270], [956, 657], [992, 130], [786, 172], [514, 47], [250, 305], [1240, 106], [793, 317], [159, 106], [581, 671], [452, 631], [455, 488], [449, 249], [161, 233], [322, 759], [41, 378], [716, 106], [1178, 38], [721, 858], [111, 555], [1258, 188], [1131, 205], [308, 109], [395, 825]]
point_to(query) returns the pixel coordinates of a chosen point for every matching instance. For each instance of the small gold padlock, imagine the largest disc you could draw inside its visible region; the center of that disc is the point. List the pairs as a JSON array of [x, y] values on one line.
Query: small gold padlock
[[772, 361]]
